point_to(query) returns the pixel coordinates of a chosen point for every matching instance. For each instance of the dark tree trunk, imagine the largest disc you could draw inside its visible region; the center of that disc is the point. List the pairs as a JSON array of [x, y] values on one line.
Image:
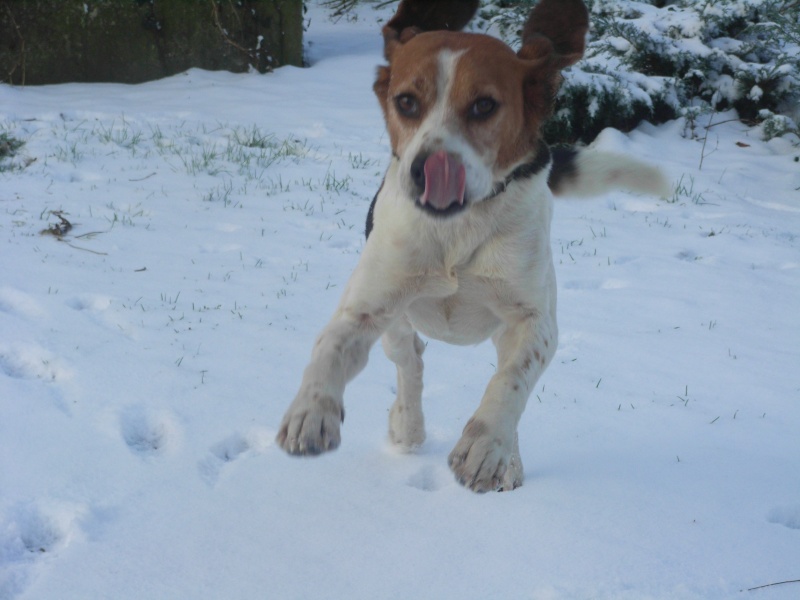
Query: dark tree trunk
[[129, 41]]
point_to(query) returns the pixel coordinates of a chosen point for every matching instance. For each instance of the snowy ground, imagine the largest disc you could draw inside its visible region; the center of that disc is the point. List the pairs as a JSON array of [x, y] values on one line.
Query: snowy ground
[[147, 356]]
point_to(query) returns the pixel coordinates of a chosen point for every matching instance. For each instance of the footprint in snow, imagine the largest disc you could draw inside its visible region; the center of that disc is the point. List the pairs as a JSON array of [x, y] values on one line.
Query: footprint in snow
[[230, 449], [148, 433], [687, 255], [430, 478], [788, 516], [18, 303], [29, 532], [37, 530], [220, 454], [89, 302], [99, 310], [30, 361]]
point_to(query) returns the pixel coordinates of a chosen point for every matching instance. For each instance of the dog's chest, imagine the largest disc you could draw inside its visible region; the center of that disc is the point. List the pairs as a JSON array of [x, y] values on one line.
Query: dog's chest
[[463, 318], [480, 286], [466, 276]]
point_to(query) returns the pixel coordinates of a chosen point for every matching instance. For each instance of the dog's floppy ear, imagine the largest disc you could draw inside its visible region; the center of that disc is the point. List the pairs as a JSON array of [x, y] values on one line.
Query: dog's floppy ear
[[556, 29], [554, 37], [415, 16]]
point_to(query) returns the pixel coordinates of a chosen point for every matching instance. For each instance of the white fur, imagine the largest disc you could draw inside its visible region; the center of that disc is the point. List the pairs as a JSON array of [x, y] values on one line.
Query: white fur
[[485, 272]]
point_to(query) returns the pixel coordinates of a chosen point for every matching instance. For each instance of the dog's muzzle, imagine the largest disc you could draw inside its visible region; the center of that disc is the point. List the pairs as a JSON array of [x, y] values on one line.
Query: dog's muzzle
[[440, 182]]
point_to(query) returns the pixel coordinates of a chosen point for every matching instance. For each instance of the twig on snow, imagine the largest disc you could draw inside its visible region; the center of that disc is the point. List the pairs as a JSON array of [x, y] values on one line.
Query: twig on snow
[[758, 587]]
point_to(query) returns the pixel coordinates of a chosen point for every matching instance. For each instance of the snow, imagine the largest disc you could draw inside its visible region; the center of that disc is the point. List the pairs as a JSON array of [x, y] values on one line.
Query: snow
[[147, 356]]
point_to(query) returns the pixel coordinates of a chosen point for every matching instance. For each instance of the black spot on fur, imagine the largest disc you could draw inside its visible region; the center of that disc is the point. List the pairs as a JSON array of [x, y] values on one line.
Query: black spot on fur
[[564, 167], [371, 213], [532, 168], [525, 171]]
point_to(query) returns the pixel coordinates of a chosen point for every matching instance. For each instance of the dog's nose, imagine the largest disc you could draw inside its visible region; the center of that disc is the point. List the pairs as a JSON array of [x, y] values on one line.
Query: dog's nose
[[418, 172]]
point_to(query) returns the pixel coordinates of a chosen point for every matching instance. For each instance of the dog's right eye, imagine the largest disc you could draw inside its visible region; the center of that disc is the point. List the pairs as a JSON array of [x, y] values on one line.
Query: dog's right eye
[[407, 105]]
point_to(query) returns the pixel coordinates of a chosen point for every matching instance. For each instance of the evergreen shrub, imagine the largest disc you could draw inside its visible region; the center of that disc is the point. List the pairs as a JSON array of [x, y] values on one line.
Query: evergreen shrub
[[656, 60]]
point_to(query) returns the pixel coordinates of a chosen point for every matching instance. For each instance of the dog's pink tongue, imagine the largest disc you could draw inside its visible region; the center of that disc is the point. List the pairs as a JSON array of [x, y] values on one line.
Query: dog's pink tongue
[[445, 179]]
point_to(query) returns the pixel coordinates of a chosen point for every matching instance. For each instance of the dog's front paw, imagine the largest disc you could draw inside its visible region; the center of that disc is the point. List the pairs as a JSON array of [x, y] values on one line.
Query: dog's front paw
[[484, 460], [311, 427]]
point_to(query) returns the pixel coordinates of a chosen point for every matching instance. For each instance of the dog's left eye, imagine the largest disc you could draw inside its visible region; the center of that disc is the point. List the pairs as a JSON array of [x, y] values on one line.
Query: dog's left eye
[[482, 108]]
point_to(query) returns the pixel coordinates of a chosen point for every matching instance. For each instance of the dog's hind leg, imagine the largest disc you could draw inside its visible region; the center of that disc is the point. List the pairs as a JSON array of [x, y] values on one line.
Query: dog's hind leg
[[404, 348]]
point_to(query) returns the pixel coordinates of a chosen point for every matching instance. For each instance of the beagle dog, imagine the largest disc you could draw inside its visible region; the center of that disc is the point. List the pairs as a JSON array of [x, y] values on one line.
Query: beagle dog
[[458, 236]]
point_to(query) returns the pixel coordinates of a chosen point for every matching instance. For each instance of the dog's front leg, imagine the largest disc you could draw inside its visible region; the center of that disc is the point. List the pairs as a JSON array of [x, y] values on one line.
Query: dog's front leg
[[487, 455], [373, 300], [311, 424]]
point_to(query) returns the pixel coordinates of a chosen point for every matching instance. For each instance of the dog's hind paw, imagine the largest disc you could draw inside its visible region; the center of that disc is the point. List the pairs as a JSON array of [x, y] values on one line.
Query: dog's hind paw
[[483, 461], [311, 428]]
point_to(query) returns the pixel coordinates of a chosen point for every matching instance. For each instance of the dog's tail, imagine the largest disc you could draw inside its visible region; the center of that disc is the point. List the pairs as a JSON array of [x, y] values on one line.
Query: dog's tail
[[588, 172]]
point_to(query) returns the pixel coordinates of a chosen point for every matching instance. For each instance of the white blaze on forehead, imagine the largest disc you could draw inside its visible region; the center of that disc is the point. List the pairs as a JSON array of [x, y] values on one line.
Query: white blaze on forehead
[[440, 112], [448, 59], [434, 128]]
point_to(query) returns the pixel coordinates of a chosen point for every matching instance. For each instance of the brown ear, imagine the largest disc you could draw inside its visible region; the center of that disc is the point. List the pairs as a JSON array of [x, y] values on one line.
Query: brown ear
[[415, 16], [554, 37], [562, 23], [381, 87]]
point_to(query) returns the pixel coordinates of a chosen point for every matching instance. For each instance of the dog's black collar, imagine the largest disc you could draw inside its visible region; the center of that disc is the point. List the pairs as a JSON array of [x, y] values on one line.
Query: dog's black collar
[[524, 171]]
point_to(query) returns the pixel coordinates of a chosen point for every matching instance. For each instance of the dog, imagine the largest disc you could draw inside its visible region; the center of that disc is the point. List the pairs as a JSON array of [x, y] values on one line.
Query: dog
[[458, 236]]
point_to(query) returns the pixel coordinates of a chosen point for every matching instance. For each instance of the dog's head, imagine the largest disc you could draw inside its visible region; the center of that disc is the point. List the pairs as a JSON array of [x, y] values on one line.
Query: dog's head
[[463, 110]]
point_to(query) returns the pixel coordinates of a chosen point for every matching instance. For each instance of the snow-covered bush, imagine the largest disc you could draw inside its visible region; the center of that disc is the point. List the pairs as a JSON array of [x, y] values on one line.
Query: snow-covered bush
[[658, 59]]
